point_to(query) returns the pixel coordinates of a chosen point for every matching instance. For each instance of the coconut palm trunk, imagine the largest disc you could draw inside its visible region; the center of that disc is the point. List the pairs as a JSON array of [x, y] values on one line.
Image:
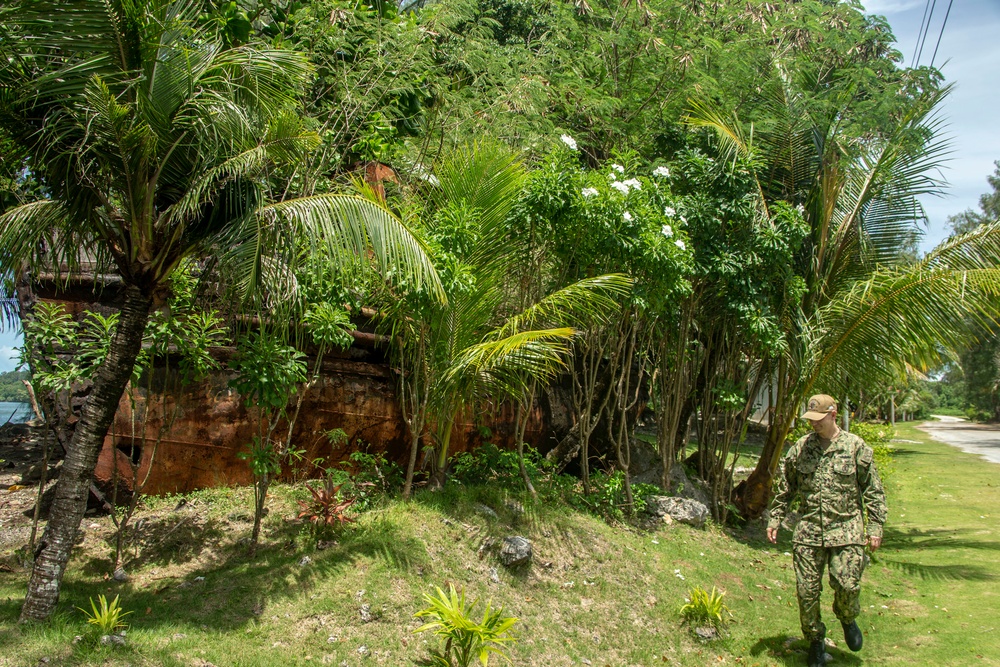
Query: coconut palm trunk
[[70, 502]]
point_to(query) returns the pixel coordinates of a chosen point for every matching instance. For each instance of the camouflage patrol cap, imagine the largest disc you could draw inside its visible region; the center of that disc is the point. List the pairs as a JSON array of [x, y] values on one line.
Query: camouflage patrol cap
[[819, 406]]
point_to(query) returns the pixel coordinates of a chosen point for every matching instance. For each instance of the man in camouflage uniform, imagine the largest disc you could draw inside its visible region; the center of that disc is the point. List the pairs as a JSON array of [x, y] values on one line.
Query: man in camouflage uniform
[[833, 475]]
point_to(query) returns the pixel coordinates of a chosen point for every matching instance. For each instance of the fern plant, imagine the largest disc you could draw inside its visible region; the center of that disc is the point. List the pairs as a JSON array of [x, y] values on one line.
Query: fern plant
[[106, 617], [703, 607], [464, 640]]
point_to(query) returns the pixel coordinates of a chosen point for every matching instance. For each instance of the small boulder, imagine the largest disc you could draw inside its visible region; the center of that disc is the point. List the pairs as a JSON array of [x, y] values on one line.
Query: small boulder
[[683, 510], [687, 487], [485, 510], [706, 634], [515, 508], [515, 551]]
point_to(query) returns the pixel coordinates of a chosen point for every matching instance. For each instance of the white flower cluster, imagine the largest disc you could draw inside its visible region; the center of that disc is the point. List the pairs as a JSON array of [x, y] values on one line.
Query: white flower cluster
[[569, 141], [627, 216], [617, 167], [679, 244], [662, 172], [624, 186], [589, 192], [667, 231], [669, 211]]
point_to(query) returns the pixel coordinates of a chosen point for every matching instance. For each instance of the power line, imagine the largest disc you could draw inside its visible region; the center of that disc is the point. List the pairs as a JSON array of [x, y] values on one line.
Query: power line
[[929, 17], [946, 15], [916, 45]]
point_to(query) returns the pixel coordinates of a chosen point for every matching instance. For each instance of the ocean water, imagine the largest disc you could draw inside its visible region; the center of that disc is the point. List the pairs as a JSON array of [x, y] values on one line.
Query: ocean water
[[17, 413]]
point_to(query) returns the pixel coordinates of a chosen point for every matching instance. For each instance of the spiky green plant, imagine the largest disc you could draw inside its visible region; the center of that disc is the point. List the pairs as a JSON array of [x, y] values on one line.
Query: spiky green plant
[[464, 640], [702, 607], [105, 616]]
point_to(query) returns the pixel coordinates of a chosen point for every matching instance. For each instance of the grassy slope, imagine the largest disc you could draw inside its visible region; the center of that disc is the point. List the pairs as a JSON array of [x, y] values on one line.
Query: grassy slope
[[595, 592]]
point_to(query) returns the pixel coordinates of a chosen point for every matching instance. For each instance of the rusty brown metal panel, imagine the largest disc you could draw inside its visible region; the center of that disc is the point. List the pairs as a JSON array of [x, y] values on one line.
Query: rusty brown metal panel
[[194, 441], [191, 438]]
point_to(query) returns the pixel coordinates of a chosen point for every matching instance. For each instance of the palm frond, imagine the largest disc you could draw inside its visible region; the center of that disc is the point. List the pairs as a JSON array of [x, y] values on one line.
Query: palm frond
[[44, 234], [876, 206], [907, 316], [348, 224], [588, 301], [285, 141], [732, 139], [506, 367], [485, 177]]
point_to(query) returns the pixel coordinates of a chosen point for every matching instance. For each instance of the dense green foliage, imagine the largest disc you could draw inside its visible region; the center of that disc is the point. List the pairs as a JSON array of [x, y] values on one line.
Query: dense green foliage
[[669, 203]]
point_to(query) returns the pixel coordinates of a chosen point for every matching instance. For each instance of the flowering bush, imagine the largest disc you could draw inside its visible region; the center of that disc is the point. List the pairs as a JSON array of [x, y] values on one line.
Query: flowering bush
[[621, 218]]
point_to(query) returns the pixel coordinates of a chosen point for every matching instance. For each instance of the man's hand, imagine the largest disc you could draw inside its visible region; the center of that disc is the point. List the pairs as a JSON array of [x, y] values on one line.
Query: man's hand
[[772, 535], [874, 543]]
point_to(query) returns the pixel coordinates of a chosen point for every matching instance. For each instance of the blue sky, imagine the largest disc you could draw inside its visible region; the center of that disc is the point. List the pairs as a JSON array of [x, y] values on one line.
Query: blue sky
[[969, 58], [8, 356]]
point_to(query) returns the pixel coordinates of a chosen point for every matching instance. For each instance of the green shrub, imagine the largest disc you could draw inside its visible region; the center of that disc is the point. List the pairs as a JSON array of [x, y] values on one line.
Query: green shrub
[[608, 499], [104, 616], [463, 639], [704, 608], [878, 437], [489, 463], [365, 477], [978, 414]]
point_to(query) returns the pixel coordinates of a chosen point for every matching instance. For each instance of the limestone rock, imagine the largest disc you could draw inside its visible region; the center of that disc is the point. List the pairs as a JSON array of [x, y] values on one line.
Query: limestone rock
[[515, 551], [683, 510], [687, 487], [485, 510], [112, 640]]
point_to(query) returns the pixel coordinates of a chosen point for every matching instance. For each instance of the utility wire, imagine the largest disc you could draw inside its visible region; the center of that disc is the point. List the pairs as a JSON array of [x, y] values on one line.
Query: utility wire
[[929, 17], [940, 34], [916, 45]]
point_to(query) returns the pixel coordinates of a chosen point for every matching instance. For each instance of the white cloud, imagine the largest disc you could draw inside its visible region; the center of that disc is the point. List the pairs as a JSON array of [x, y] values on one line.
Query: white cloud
[[8, 358], [885, 7]]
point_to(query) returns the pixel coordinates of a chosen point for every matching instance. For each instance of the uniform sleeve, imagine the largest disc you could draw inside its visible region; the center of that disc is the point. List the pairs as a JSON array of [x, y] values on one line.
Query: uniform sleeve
[[872, 494], [785, 491]]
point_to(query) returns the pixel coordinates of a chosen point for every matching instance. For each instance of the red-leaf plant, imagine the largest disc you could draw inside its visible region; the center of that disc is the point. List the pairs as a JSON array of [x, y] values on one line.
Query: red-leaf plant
[[326, 507]]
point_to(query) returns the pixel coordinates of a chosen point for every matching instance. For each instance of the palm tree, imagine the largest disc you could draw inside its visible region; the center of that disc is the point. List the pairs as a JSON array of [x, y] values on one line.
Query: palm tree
[[859, 199], [487, 342], [154, 143]]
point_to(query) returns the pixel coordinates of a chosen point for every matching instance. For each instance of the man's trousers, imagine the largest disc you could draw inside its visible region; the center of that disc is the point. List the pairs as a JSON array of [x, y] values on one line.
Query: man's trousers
[[846, 563]]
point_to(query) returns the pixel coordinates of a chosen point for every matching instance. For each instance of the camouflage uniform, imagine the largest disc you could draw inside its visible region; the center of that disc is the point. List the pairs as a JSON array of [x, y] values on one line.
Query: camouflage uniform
[[834, 480]]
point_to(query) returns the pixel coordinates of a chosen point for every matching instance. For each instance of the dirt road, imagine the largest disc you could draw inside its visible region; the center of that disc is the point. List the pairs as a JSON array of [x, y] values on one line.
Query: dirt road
[[981, 439]]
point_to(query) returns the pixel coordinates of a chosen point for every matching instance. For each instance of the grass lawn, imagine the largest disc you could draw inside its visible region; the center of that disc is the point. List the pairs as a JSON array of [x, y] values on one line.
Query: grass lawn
[[595, 594]]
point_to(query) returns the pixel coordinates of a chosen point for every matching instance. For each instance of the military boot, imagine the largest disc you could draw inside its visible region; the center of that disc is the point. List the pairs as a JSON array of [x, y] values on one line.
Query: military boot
[[817, 653], [853, 636]]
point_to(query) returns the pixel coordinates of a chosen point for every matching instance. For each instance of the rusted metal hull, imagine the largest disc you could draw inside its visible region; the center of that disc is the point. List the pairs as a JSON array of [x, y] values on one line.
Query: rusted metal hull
[[193, 439]]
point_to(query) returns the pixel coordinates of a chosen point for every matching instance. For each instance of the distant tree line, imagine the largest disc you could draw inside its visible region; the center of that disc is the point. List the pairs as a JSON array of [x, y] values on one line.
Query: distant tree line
[[12, 386]]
